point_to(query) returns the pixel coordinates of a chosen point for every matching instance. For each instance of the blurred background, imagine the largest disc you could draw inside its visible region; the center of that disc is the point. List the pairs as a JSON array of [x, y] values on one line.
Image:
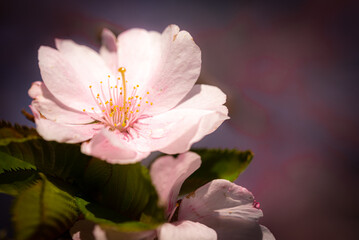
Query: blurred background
[[290, 70]]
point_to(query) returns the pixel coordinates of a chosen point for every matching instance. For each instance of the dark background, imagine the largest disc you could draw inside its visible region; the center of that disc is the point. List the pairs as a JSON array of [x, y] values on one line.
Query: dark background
[[290, 70]]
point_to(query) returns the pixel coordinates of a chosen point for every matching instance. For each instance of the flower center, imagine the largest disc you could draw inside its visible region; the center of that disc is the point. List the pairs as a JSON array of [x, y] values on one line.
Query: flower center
[[117, 106]]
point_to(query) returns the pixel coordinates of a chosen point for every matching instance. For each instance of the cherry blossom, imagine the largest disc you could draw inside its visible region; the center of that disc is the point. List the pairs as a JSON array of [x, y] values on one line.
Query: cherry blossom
[[218, 210], [136, 96]]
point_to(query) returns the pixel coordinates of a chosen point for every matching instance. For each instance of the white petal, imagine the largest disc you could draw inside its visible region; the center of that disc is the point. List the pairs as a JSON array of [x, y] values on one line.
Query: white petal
[[185, 230], [169, 173]]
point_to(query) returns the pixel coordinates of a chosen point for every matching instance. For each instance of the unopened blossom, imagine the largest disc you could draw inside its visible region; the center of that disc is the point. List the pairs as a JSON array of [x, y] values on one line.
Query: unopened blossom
[[136, 96], [218, 210]]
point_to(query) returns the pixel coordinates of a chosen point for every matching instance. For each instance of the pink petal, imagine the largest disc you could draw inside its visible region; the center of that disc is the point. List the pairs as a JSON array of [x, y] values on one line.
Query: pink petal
[[99, 234], [53, 109], [85, 230], [139, 52], [68, 73], [199, 114], [82, 230], [167, 65], [110, 234], [60, 132], [108, 50], [114, 147], [169, 173], [185, 230], [267, 235], [203, 96], [225, 207]]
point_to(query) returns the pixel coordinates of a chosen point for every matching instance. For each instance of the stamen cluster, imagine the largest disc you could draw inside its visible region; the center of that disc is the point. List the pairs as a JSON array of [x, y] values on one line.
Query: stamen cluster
[[116, 107]]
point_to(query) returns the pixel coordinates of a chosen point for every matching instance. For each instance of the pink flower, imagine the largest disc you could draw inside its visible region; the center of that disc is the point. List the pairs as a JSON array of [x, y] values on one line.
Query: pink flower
[[218, 210], [135, 97]]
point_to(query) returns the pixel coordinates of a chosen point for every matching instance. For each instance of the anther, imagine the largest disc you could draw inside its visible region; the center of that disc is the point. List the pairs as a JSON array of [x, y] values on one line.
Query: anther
[[122, 69]]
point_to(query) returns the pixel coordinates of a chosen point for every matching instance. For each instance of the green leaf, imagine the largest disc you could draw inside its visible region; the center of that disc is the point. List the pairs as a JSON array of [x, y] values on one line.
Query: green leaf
[[125, 189], [14, 181], [21, 147], [61, 160], [43, 211], [8, 163], [16, 133], [216, 163], [109, 219]]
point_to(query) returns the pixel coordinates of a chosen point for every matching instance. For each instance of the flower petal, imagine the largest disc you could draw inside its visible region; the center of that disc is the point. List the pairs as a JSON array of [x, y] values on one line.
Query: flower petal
[[169, 173], [108, 50], [203, 96], [60, 132], [185, 230], [114, 147], [82, 230], [267, 235], [111, 234], [167, 65], [199, 114], [53, 109], [225, 207], [99, 234], [139, 51], [69, 71]]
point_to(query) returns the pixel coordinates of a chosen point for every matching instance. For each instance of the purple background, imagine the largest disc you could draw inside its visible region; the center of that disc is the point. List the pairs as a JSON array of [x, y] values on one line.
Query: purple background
[[290, 71]]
